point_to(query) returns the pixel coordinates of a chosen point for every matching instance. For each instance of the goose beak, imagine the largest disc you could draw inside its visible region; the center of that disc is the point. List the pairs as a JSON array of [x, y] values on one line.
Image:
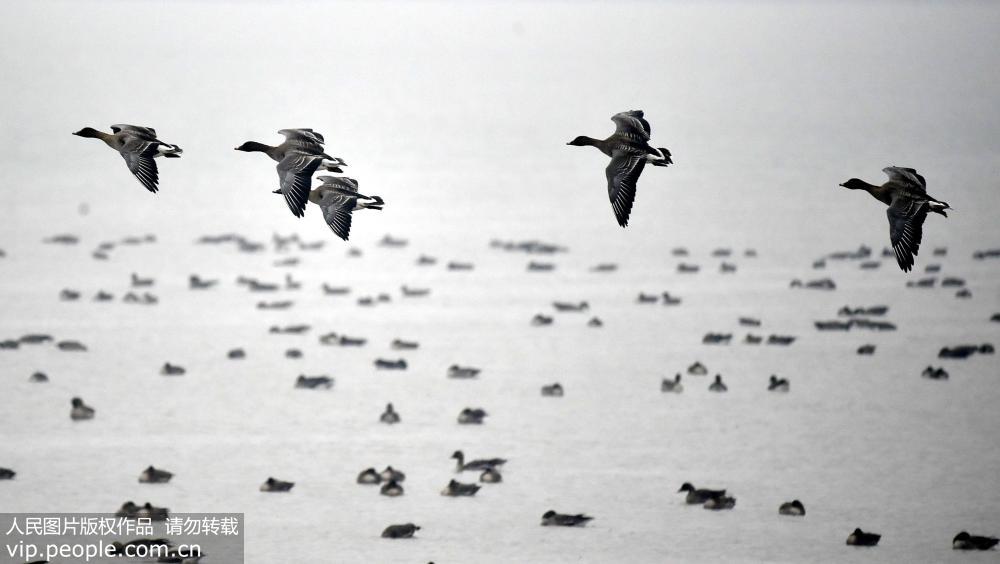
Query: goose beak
[[842, 184]]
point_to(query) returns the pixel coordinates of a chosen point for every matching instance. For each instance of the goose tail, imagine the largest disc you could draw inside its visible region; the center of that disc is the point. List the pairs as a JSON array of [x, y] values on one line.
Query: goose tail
[[660, 158], [169, 151], [939, 207]]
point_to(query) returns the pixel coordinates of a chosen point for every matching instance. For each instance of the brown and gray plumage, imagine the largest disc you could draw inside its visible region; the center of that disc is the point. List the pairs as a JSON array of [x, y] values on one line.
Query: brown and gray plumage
[[301, 140], [138, 146], [906, 195], [338, 197], [629, 150]]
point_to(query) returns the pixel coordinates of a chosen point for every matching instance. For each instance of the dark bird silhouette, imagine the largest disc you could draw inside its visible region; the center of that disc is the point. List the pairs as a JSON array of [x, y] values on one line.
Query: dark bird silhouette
[[629, 150], [138, 146], [906, 195]]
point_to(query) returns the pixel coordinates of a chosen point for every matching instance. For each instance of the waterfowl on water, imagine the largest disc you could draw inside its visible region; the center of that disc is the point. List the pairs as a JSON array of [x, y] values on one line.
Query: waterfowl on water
[[7, 474], [697, 369], [794, 508], [339, 198], [273, 485], [404, 531], [138, 146], [629, 150], [965, 541], [553, 390], [480, 464], [906, 195], [391, 489], [696, 496], [472, 416], [720, 503], [861, 538], [390, 473], [80, 411], [389, 415], [153, 475], [146, 511], [172, 370], [672, 385], [778, 384], [552, 519], [718, 385], [457, 489], [490, 476], [369, 476]]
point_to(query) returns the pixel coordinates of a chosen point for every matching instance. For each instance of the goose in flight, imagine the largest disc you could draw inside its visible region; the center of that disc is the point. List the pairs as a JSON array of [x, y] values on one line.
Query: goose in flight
[[906, 195], [629, 150], [300, 140], [338, 197], [138, 146]]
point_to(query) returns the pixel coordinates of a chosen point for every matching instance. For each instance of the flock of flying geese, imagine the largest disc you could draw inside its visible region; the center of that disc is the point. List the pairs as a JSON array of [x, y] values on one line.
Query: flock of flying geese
[[302, 154]]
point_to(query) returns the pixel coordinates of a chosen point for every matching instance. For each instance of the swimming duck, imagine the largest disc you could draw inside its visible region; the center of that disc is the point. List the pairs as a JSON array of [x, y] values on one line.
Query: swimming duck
[[404, 531], [155, 476], [480, 464], [313, 382], [861, 538], [146, 510], [236, 354], [390, 473], [195, 282], [68, 295], [696, 496], [339, 198], [645, 298], [7, 474], [414, 292], [456, 371], [391, 489], [102, 296], [138, 146], [629, 150], [369, 476], [457, 489], [383, 364], [793, 507], [172, 370], [553, 390], [293, 353], [38, 377], [552, 519], [470, 416], [778, 384], [697, 369], [595, 322], [138, 282], [866, 349], [569, 306], [80, 411], [273, 485], [490, 476], [718, 385], [389, 415], [674, 385], [75, 346], [540, 320], [965, 541], [935, 373], [400, 344], [720, 503], [906, 195]]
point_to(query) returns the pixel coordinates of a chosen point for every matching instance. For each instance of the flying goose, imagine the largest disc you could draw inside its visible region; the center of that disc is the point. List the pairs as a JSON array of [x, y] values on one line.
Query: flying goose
[[906, 195], [338, 198], [301, 140], [138, 146], [629, 150]]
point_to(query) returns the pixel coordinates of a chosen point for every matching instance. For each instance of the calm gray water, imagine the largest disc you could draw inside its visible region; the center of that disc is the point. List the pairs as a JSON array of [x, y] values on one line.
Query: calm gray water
[[458, 116]]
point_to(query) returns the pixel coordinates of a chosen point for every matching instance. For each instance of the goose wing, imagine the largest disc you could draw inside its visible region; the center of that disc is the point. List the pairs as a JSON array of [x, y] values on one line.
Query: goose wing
[[623, 172], [340, 183], [906, 220], [138, 130], [337, 211], [907, 177], [138, 154], [295, 176], [303, 134], [632, 126]]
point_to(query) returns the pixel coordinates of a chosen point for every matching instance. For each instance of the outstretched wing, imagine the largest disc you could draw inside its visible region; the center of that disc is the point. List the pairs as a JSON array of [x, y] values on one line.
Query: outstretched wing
[[632, 125], [295, 175], [140, 131], [341, 183], [337, 212], [623, 172], [906, 220], [907, 177], [138, 154], [303, 134]]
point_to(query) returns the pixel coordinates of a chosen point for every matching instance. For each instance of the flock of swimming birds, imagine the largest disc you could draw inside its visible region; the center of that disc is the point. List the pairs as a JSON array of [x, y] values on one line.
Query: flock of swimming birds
[[302, 155]]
